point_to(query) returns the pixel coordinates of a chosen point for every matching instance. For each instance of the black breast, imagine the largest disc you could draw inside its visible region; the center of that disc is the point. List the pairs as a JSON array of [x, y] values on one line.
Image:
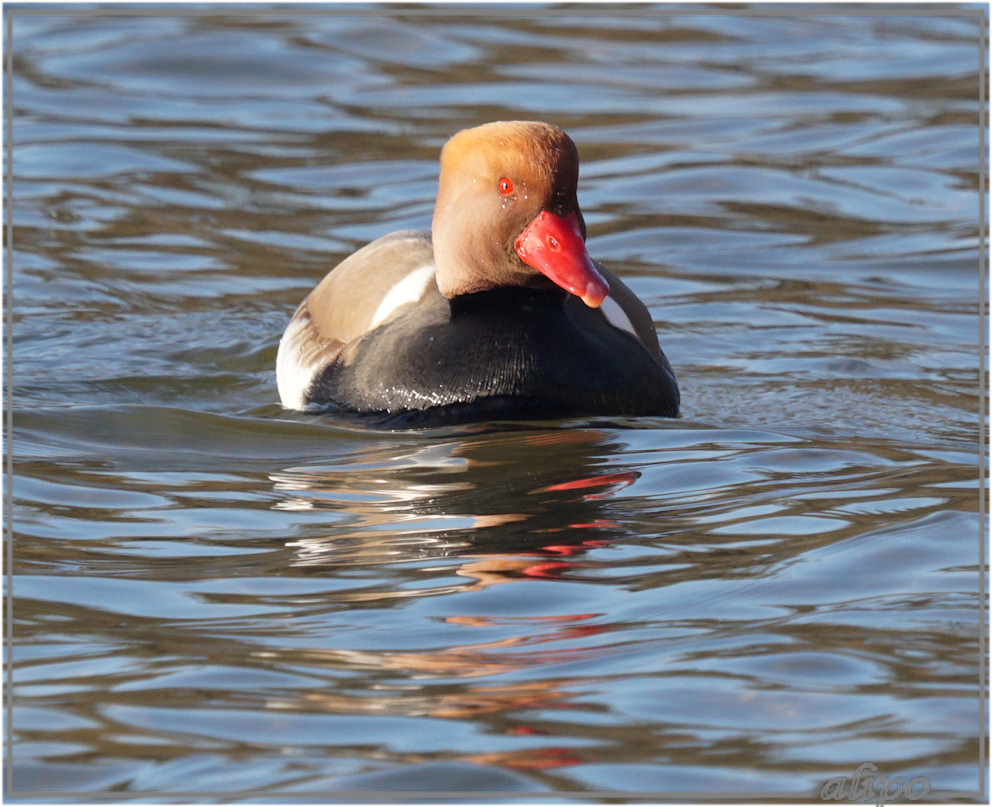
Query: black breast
[[507, 353]]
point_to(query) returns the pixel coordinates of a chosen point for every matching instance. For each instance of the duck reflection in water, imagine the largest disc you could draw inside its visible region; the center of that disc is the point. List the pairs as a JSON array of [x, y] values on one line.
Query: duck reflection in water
[[449, 516], [449, 500]]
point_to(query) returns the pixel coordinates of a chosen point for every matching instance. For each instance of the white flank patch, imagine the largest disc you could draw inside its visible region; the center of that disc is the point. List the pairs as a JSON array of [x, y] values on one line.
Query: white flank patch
[[408, 290], [615, 316], [292, 378]]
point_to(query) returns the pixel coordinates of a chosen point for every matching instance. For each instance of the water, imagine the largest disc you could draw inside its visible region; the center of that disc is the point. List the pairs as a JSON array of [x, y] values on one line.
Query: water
[[212, 595]]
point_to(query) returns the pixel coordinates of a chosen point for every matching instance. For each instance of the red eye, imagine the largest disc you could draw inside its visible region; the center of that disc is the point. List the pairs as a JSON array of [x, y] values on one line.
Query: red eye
[[505, 186]]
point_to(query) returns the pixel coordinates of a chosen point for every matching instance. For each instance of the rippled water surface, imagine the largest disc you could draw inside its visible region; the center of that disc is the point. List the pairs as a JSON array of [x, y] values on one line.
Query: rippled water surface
[[214, 595]]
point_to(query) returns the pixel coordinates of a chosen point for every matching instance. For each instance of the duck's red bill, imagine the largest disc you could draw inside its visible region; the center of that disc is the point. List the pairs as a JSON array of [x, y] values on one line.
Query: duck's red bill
[[553, 245]]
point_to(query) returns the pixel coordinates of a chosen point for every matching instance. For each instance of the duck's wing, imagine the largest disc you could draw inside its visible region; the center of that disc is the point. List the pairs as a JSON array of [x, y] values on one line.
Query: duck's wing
[[366, 289], [623, 309]]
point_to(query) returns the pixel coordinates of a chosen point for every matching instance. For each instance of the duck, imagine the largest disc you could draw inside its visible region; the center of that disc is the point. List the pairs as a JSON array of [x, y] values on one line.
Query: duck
[[498, 312]]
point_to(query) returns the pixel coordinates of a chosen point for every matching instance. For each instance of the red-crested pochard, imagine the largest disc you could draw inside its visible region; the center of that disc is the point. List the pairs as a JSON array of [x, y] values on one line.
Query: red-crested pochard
[[497, 313]]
